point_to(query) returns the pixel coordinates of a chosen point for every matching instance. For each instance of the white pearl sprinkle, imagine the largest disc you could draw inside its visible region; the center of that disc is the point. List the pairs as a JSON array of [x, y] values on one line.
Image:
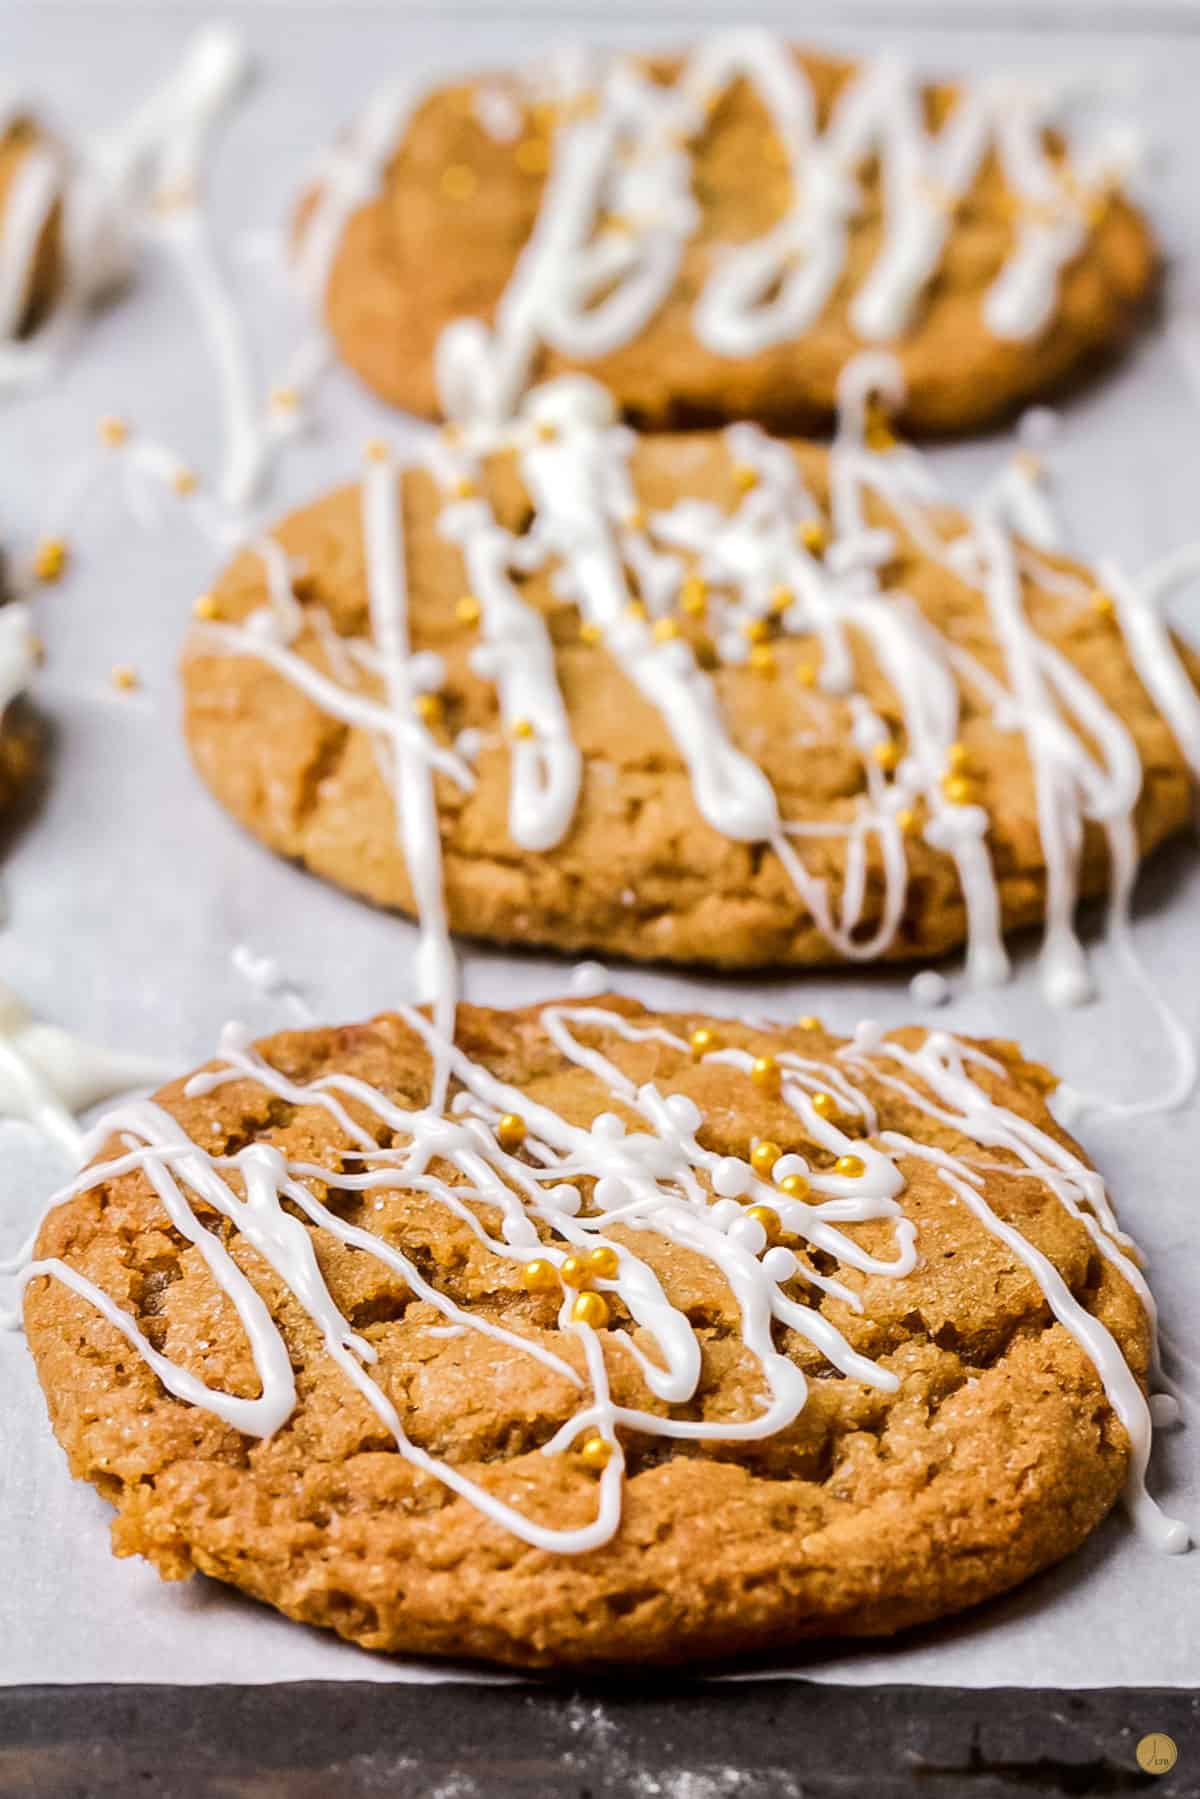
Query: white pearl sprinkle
[[732, 1177], [779, 1264], [748, 1233]]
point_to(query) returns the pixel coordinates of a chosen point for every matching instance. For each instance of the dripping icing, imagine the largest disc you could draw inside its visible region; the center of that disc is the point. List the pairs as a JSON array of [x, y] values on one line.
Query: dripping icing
[[655, 1177]]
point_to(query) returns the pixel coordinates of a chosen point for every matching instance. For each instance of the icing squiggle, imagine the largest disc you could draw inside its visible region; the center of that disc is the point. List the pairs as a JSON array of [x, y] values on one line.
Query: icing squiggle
[[141, 177], [48, 1076], [626, 573], [656, 1179], [583, 287], [18, 653]]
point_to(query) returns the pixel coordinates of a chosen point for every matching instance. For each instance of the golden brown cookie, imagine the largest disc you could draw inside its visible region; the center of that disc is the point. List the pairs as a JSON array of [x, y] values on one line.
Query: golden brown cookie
[[652, 222], [31, 216], [584, 1365], [753, 728]]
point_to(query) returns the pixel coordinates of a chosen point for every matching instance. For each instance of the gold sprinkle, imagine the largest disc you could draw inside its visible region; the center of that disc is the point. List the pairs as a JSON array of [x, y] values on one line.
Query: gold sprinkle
[[1104, 604], [887, 755], [756, 629], [635, 609], [522, 727], [958, 758], [510, 1131], [693, 596], [745, 476], [50, 559], [547, 431], [781, 598], [376, 450], [703, 1041], [762, 659], [532, 156], [124, 678], [113, 432], [806, 673], [428, 708], [603, 1262], [810, 1022], [794, 1185], [906, 820], [207, 606], [574, 1271], [590, 1309], [590, 633], [764, 1156], [463, 488], [824, 1105], [767, 1216], [184, 481], [539, 1276], [958, 790], [285, 399], [764, 1072], [877, 430], [851, 1168], [596, 1453], [458, 182], [467, 610], [665, 629], [812, 536]]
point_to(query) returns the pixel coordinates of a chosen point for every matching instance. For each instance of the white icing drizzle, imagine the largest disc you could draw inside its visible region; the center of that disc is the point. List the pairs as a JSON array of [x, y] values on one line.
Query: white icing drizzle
[[138, 177], [412, 782], [47, 1075], [656, 1178], [583, 287], [604, 555], [267, 977], [18, 653], [942, 1065]]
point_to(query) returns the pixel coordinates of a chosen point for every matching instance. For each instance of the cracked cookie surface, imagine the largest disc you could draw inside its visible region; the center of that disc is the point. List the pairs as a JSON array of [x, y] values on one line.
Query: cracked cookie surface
[[640, 872], [995, 1455]]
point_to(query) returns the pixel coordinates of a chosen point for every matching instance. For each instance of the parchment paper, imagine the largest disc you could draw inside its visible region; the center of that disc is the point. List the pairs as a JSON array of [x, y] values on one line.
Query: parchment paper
[[129, 890]]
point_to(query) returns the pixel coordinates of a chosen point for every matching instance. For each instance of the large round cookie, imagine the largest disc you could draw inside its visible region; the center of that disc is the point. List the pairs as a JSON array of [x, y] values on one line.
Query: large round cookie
[[642, 220], [688, 703], [854, 1392]]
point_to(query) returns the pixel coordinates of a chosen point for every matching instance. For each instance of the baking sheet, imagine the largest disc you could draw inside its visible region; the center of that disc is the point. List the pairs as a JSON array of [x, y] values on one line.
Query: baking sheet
[[128, 891]]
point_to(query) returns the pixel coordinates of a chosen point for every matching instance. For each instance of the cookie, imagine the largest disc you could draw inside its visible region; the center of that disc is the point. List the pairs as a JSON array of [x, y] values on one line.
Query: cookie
[[19, 742], [709, 699], [714, 237], [32, 185], [74, 215], [649, 1338]]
